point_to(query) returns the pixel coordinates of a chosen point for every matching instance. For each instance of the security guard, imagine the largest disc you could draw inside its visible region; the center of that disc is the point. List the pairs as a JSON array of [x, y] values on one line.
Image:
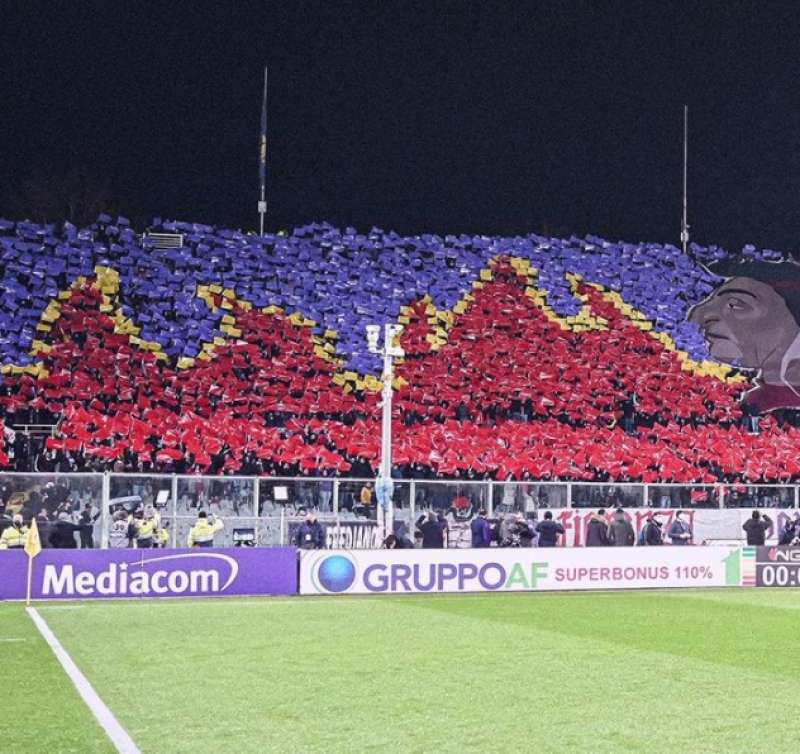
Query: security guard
[[147, 529], [202, 533], [141, 530], [13, 537], [162, 535]]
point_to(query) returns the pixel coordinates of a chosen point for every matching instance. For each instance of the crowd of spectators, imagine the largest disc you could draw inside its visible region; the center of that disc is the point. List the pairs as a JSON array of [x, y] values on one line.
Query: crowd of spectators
[[526, 358]]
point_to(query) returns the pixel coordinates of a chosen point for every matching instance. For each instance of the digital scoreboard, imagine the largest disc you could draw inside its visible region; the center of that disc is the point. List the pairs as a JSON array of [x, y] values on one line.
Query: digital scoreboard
[[777, 566]]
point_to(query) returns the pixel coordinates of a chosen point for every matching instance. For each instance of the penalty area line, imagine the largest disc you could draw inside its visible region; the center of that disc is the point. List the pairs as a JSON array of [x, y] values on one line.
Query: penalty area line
[[118, 735]]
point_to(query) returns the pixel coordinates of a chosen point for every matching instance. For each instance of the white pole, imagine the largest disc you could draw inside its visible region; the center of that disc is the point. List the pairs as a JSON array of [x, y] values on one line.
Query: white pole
[[386, 431], [383, 484], [684, 221], [105, 496]]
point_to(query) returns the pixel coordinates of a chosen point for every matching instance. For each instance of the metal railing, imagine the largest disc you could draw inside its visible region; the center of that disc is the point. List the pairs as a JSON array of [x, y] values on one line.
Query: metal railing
[[271, 505]]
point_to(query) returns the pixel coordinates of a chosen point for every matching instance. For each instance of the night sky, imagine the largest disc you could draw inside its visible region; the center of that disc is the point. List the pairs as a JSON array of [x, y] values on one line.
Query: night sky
[[493, 118]]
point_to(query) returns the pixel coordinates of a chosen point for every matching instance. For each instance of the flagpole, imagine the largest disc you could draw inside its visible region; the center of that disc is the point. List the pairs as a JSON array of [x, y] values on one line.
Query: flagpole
[[30, 577], [262, 158], [33, 546]]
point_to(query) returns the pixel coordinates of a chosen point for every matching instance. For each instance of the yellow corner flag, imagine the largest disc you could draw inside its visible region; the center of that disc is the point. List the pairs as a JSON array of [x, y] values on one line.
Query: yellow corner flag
[[33, 545]]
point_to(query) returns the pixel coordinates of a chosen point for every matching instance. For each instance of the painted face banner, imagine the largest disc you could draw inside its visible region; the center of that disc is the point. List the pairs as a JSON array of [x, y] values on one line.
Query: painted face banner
[[201, 572], [752, 321]]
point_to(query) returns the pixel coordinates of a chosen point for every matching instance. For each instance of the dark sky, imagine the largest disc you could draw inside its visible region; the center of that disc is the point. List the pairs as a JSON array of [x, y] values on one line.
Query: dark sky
[[432, 116]]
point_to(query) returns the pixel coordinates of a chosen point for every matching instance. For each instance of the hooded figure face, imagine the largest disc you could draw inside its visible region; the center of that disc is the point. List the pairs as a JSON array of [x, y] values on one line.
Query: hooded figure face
[[746, 322]]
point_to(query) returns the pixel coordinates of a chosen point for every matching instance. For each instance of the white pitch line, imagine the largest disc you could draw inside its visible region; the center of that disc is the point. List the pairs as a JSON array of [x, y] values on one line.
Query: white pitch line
[[10, 640], [118, 735]]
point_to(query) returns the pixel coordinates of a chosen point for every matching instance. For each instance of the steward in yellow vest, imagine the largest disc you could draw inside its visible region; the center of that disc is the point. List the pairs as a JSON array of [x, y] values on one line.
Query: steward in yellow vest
[[202, 533]]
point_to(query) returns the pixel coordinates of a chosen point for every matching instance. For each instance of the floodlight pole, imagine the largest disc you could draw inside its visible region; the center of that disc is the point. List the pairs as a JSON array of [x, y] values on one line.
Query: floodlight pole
[[262, 159], [684, 221], [384, 486]]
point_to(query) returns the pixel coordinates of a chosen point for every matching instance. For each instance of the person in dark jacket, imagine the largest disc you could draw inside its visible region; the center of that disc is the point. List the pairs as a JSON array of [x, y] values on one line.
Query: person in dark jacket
[[597, 530], [680, 532], [526, 531], [481, 530], [652, 532], [397, 542], [756, 528], [620, 530], [86, 522], [311, 534], [549, 531], [432, 532], [62, 533], [791, 533]]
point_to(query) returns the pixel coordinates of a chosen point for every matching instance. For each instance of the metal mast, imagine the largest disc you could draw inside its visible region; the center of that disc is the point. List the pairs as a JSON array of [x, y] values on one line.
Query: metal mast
[[684, 221], [262, 159]]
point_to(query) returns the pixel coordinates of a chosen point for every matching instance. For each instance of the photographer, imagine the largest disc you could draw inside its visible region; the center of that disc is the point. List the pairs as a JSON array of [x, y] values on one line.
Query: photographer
[[756, 528], [525, 531], [310, 535]]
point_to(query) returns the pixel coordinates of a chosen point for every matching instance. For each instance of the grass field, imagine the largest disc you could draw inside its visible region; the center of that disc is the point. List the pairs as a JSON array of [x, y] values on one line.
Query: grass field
[[700, 671]]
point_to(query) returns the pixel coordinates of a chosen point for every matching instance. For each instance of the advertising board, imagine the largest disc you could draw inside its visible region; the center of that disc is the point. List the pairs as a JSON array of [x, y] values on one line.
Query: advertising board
[[199, 572], [517, 569]]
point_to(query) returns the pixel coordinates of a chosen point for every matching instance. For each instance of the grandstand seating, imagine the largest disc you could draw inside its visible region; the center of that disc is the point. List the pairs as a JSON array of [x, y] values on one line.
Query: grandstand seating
[[245, 353]]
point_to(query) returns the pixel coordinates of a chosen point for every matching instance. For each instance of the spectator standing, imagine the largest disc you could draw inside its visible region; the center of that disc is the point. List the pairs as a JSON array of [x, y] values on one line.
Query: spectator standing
[[444, 526], [44, 524], [62, 533], [432, 532], [549, 531], [481, 530], [652, 532], [325, 494], [86, 524], [365, 496], [791, 532], [756, 528], [680, 532], [620, 530], [597, 530]]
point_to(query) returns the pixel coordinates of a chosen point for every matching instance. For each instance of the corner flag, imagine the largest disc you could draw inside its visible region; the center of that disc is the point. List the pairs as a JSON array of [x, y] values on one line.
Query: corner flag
[[33, 545]]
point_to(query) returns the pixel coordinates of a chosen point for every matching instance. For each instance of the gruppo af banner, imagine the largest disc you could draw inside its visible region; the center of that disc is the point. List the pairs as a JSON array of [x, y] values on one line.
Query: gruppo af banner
[[517, 569], [198, 572]]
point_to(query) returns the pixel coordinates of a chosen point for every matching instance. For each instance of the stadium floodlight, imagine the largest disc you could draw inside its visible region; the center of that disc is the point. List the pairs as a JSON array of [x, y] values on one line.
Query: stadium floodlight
[[390, 349], [373, 338]]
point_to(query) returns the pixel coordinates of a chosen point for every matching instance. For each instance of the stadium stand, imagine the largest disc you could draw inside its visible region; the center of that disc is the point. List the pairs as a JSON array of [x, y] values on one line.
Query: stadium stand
[[216, 351]]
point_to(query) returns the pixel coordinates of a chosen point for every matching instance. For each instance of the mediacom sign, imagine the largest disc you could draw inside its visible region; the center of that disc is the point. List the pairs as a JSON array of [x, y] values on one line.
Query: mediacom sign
[[201, 572], [517, 570]]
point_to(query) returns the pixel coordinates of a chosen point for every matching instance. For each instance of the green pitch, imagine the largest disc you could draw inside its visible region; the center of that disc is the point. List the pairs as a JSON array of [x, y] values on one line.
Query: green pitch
[[701, 671]]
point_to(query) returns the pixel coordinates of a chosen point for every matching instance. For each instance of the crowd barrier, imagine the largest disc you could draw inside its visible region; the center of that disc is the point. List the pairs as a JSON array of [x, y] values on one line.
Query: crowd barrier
[[270, 507], [221, 572]]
